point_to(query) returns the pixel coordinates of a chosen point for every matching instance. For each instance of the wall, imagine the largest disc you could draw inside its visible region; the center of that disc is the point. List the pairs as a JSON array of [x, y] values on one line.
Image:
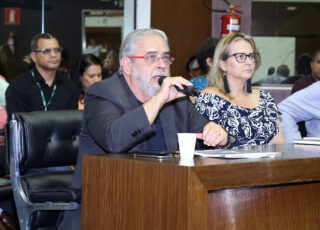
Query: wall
[[62, 19], [298, 20], [187, 23], [245, 17]]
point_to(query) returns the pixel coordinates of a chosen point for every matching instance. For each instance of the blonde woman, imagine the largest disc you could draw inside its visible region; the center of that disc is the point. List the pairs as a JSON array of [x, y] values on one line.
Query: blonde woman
[[249, 114]]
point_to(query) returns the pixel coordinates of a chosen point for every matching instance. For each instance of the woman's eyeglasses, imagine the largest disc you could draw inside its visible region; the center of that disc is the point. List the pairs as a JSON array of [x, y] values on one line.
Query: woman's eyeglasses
[[242, 57]]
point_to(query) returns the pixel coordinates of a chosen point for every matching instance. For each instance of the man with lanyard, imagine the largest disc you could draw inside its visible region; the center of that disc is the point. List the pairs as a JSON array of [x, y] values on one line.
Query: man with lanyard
[[42, 87]]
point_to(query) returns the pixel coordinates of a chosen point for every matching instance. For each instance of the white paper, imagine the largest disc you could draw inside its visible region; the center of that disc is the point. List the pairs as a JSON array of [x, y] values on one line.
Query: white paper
[[308, 141], [311, 138], [233, 154]]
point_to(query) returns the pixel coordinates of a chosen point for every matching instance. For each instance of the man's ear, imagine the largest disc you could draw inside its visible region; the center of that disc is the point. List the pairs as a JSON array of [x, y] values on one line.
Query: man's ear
[[209, 62], [222, 65], [126, 64], [33, 56]]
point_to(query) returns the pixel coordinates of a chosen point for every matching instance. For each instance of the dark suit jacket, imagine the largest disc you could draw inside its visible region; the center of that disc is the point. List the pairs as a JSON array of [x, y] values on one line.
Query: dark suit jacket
[[114, 121]]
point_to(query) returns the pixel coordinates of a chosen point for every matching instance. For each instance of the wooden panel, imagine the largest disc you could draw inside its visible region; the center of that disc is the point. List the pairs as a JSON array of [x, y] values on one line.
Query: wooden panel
[[187, 23], [197, 204], [293, 207], [259, 173], [123, 192], [134, 195]]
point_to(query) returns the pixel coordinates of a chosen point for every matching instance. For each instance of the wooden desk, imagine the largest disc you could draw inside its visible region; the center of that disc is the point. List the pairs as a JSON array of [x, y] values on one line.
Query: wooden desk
[[123, 192]]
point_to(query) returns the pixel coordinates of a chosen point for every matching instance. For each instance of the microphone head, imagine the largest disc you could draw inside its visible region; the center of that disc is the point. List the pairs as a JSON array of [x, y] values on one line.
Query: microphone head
[[161, 79], [187, 90]]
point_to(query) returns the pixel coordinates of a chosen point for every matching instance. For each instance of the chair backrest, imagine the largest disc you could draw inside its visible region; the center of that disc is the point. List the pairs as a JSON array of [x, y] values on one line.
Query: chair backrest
[[45, 138]]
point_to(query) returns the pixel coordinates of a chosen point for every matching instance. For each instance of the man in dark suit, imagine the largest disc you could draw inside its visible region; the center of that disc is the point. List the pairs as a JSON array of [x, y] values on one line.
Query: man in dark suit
[[130, 111]]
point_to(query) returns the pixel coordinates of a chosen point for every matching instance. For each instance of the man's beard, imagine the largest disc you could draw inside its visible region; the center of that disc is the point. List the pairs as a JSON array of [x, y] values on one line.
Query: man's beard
[[144, 83]]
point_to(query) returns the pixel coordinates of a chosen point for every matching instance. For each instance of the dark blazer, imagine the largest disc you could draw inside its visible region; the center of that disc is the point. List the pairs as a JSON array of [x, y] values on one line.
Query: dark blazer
[[114, 121]]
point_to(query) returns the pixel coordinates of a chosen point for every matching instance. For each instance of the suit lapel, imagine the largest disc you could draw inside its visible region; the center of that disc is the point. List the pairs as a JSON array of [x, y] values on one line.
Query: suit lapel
[[166, 116]]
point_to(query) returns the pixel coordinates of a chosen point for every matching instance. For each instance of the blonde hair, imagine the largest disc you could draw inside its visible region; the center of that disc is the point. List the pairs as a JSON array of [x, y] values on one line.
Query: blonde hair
[[215, 76]]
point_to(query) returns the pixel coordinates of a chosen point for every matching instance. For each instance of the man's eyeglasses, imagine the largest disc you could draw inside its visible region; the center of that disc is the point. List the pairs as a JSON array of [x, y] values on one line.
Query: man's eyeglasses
[[242, 57], [152, 58], [49, 50]]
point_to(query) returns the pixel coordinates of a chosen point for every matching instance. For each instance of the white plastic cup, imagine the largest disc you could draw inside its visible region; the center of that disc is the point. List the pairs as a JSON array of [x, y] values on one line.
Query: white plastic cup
[[187, 143]]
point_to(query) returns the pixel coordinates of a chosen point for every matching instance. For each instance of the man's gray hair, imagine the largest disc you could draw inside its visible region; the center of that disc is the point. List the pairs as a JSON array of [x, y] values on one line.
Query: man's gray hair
[[128, 46], [35, 39]]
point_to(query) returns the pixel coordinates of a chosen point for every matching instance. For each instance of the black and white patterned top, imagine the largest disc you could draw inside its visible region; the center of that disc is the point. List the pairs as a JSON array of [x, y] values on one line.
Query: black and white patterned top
[[254, 126]]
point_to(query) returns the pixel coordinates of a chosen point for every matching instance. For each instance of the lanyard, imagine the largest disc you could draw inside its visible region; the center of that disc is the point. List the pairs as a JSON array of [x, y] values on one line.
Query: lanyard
[[45, 104]]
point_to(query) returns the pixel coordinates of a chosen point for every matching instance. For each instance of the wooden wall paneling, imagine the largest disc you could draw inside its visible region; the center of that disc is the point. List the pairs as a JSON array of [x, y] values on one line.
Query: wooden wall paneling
[[187, 23]]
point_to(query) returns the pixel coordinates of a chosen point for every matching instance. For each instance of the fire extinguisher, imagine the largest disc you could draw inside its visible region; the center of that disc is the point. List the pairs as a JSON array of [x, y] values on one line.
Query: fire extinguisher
[[230, 23], [10, 41]]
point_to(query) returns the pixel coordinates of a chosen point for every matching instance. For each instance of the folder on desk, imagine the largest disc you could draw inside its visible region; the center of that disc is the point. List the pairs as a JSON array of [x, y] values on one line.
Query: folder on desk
[[235, 154], [308, 141]]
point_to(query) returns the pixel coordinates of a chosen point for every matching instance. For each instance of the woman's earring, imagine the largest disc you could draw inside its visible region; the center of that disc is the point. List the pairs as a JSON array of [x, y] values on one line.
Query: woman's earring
[[225, 84], [248, 86]]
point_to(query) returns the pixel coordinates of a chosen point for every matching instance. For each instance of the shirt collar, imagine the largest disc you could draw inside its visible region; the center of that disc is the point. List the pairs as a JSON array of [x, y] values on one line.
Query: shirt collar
[[57, 80]]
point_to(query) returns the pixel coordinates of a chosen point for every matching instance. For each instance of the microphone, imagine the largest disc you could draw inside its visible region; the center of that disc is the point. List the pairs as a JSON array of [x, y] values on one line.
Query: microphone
[[187, 90]]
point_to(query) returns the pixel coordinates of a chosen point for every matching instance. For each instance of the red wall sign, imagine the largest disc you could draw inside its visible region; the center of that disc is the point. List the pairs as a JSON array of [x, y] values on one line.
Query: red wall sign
[[12, 16]]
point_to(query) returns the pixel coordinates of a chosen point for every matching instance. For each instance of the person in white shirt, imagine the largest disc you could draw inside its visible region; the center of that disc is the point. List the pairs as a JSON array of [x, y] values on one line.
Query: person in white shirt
[[93, 48], [303, 105]]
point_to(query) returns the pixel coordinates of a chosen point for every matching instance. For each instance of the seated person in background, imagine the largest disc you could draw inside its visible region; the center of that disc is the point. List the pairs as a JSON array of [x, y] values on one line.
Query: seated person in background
[[310, 78], [204, 56], [111, 63], [88, 71], [3, 119], [281, 75], [3, 111], [302, 68], [283, 72], [3, 87], [7, 221], [42, 87], [192, 67], [303, 64], [130, 111], [249, 114], [93, 47], [301, 106]]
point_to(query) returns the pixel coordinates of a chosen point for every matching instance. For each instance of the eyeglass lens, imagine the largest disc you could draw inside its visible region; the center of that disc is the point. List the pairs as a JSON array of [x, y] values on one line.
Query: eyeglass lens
[[49, 50], [241, 57], [152, 58]]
